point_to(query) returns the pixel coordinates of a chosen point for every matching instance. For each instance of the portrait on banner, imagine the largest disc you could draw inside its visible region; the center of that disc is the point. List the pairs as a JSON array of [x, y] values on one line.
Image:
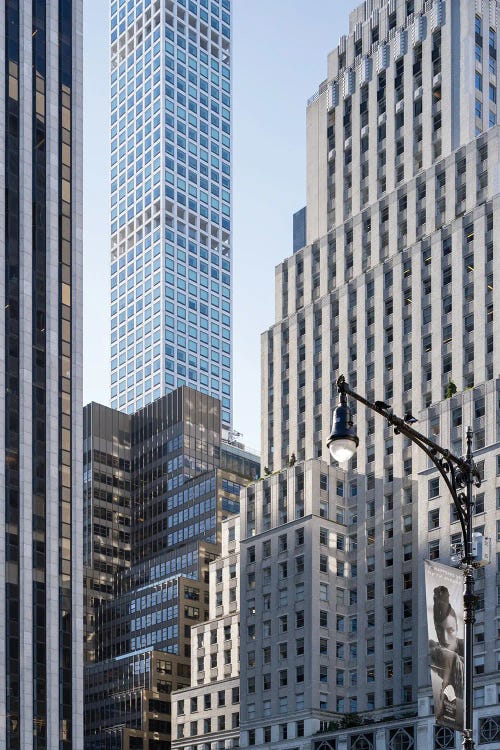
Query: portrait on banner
[[445, 624]]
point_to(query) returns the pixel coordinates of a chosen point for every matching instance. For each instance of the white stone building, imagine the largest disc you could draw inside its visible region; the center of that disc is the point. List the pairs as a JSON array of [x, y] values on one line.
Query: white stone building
[[394, 289], [297, 609], [207, 714]]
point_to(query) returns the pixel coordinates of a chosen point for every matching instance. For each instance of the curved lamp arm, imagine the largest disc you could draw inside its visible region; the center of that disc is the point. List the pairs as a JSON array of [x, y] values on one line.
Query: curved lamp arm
[[456, 471]]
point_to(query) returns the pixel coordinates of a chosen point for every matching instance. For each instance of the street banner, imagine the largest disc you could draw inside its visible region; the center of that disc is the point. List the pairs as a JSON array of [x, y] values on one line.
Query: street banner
[[445, 628]]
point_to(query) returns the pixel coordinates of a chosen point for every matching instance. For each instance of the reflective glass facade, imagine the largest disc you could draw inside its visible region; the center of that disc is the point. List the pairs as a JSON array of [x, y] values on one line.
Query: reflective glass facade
[[171, 256], [166, 472], [40, 375]]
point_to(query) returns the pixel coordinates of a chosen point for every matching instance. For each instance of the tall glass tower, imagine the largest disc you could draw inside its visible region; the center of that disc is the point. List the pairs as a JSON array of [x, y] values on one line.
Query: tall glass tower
[[41, 691], [170, 200]]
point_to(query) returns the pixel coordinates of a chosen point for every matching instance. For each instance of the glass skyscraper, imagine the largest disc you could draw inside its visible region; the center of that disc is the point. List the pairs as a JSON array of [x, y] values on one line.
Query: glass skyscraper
[[157, 486], [41, 668], [171, 271]]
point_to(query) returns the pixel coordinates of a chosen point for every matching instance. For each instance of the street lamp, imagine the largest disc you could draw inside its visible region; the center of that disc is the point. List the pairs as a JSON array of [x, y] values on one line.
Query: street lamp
[[460, 476], [343, 440]]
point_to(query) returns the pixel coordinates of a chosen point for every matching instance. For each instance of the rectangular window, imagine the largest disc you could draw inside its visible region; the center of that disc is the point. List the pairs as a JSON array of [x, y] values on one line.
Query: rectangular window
[[433, 487], [433, 518], [434, 549]]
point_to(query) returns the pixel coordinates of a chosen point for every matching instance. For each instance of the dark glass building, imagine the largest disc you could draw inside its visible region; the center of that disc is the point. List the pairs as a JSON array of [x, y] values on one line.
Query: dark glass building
[[106, 507], [157, 485], [40, 375]]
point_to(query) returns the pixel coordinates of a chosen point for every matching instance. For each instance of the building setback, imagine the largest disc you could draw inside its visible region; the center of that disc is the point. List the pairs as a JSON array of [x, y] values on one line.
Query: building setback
[[41, 689], [171, 253], [158, 484], [394, 288]]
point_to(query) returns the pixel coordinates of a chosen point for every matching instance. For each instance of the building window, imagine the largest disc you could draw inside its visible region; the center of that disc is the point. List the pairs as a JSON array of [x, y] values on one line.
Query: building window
[[434, 549], [433, 518], [433, 487], [479, 664]]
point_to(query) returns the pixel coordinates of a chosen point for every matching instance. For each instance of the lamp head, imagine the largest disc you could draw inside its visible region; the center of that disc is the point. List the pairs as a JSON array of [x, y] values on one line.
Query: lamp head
[[343, 440]]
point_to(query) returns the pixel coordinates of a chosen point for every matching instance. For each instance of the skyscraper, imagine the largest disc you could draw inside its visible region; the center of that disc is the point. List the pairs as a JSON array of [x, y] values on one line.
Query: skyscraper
[[209, 709], [40, 375], [394, 289], [157, 485], [171, 255]]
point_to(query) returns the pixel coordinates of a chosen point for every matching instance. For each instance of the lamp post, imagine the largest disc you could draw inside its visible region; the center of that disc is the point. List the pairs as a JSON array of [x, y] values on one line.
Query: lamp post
[[459, 474]]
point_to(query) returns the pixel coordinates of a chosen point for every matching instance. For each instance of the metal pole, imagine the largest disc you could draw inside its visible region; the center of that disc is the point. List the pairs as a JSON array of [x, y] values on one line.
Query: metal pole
[[458, 473], [469, 605]]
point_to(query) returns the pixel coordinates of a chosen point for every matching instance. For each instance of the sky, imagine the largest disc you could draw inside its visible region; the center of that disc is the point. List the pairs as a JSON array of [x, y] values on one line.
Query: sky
[[280, 50]]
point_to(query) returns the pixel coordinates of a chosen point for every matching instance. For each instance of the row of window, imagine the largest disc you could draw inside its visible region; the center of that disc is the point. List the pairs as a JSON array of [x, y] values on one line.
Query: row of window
[[209, 725], [209, 701], [120, 22]]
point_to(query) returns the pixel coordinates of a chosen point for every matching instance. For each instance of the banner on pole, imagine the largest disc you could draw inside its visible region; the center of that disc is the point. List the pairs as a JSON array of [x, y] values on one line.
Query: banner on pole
[[445, 628]]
